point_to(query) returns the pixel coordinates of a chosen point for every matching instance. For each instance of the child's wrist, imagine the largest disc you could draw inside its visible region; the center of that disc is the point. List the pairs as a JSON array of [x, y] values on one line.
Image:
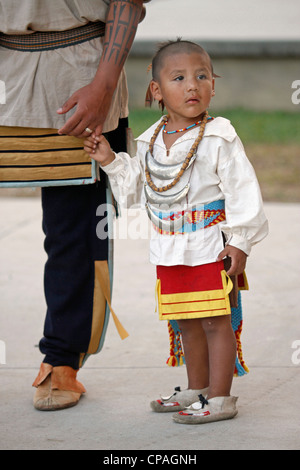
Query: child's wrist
[[108, 160]]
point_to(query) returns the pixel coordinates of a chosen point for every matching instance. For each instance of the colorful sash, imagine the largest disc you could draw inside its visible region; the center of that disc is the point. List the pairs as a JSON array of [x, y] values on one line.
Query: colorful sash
[[199, 217]]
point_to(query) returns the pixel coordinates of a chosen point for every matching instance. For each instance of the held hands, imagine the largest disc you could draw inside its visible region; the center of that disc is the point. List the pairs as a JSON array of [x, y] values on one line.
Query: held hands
[[99, 149], [238, 259]]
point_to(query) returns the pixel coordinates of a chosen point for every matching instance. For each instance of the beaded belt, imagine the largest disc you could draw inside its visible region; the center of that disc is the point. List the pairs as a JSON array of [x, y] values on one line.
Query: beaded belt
[[200, 217], [45, 41]]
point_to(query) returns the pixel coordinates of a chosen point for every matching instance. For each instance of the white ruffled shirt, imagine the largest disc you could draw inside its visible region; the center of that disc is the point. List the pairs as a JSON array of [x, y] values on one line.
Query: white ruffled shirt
[[221, 171]]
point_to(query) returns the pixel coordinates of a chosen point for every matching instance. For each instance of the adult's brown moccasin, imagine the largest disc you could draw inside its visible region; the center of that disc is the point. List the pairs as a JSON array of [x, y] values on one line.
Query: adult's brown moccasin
[[56, 388]]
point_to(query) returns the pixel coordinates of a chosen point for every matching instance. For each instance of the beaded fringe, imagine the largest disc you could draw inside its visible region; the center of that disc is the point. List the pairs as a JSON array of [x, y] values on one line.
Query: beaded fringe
[[177, 359]]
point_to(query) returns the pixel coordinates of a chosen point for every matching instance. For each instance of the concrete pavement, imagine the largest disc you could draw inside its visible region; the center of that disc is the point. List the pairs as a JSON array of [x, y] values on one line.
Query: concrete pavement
[[121, 380]]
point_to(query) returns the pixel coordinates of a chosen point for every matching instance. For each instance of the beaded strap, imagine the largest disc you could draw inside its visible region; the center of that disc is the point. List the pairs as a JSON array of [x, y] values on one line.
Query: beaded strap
[[186, 161]]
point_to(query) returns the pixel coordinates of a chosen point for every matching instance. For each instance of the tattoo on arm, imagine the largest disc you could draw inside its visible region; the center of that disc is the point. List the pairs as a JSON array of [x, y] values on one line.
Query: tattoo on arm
[[121, 25]]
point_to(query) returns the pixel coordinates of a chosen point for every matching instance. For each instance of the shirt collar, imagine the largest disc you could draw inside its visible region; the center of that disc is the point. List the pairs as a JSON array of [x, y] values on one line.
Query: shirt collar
[[219, 127]]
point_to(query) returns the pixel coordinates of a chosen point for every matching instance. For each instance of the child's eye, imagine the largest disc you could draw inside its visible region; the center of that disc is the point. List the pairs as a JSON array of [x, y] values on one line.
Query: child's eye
[[202, 76], [179, 78]]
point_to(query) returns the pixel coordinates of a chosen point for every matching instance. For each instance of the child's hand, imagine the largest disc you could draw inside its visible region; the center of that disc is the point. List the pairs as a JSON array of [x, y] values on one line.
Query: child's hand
[[99, 149], [238, 259]]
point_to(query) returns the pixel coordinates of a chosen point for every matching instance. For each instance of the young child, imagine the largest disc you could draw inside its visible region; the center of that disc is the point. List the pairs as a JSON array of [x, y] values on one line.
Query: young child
[[203, 198]]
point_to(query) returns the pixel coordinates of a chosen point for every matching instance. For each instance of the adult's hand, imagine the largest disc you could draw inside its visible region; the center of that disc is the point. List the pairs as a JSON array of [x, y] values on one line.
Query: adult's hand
[[93, 101]]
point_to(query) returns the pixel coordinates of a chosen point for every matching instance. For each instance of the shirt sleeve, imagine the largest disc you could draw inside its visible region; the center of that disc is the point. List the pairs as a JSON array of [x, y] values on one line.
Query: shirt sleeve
[[126, 178], [246, 223]]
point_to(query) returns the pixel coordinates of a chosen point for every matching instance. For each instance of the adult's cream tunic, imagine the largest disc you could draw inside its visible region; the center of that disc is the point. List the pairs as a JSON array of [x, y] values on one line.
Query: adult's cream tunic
[[220, 171], [38, 83]]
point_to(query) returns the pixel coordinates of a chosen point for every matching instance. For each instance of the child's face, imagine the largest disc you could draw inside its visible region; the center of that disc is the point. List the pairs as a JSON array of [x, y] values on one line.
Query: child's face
[[186, 85]]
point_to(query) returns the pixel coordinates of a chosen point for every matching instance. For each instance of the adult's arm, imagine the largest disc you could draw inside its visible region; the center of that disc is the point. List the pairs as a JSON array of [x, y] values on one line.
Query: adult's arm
[[93, 101]]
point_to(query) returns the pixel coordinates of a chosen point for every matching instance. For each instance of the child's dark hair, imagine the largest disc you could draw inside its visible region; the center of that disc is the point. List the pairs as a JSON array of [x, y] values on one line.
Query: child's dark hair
[[174, 47]]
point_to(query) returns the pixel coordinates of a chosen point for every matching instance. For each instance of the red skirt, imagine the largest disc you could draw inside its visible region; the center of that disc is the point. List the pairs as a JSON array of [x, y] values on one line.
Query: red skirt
[[185, 292]]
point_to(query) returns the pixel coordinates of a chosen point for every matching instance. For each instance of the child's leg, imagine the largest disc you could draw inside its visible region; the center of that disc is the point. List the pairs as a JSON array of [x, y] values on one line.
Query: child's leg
[[221, 345], [195, 353], [196, 358], [219, 404]]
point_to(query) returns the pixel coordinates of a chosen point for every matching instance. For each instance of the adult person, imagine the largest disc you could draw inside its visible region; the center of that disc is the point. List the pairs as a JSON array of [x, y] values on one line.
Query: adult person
[[62, 63]]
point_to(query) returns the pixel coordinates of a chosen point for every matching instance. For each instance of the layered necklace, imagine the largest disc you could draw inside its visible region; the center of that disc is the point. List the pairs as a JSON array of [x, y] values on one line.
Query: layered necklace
[[188, 158]]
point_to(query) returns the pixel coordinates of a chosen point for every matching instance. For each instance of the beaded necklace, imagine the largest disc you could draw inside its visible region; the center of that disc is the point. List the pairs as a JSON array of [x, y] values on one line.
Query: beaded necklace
[[181, 130], [186, 161]]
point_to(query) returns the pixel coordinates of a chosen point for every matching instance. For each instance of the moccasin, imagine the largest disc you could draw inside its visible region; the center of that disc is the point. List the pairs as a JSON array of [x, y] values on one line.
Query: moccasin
[[56, 388], [206, 411], [179, 400]]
